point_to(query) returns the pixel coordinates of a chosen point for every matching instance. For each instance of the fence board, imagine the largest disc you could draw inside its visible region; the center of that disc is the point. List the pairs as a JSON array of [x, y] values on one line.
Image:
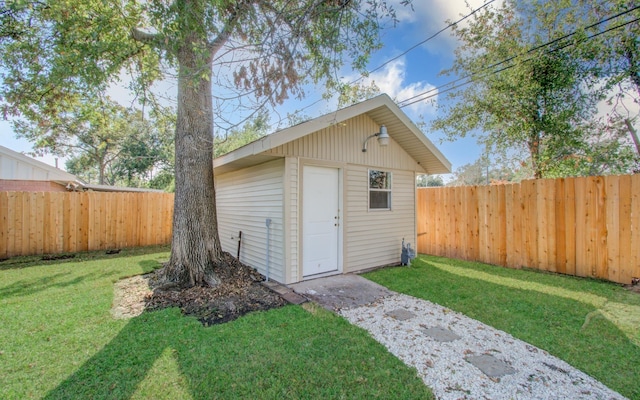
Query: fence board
[[513, 213], [529, 224], [439, 235], [588, 226], [46, 222], [560, 227], [582, 223], [27, 205], [570, 226], [57, 199], [49, 235], [613, 227], [544, 219], [634, 268], [4, 224], [591, 216], [83, 215], [601, 246]]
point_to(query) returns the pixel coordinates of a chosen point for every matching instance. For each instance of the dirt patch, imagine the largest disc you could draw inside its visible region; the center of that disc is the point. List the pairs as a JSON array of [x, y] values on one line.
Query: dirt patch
[[240, 292], [129, 296], [634, 288]]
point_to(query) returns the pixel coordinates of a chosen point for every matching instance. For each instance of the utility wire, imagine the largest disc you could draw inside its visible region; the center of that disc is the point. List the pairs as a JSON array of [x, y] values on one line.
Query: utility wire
[[423, 41], [475, 76]]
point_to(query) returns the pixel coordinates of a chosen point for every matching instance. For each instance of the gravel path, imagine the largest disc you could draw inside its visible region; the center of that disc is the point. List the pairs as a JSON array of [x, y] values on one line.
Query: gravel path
[[442, 344]]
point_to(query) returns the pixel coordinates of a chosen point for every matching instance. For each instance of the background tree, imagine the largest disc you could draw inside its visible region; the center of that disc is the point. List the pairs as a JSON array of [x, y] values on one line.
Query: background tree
[[483, 172], [429, 181], [106, 143], [252, 130], [147, 156], [612, 56], [526, 98], [53, 52]]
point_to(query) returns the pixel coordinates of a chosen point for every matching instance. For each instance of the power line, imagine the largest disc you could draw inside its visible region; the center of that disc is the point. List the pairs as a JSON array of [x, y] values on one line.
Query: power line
[[423, 41], [475, 76]]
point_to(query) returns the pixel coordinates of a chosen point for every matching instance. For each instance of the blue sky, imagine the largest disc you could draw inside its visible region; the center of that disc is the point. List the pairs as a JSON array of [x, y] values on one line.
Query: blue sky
[[409, 75]]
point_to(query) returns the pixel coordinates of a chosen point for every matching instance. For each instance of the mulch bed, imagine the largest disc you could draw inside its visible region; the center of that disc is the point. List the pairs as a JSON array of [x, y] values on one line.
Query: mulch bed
[[240, 292]]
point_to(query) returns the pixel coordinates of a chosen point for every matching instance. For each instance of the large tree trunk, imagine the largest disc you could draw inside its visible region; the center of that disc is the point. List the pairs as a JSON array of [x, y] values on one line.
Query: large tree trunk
[[195, 245]]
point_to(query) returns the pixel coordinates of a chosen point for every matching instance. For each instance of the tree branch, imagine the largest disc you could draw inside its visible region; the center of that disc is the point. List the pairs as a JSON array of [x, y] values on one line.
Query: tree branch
[[152, 39], [228, 28], [633, 133]]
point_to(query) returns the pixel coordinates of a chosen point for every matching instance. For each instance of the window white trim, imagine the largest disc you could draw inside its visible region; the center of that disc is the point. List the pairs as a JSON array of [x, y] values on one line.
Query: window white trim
[[383, 187]]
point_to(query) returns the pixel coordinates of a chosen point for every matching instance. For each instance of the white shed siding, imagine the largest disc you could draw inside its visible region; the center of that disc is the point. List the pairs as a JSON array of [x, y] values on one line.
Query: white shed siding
[[374, 238], [245, 199], [343, 143]]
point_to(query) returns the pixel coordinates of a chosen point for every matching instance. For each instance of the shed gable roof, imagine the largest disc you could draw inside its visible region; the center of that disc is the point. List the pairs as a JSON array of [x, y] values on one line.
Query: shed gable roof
[[381, 109]]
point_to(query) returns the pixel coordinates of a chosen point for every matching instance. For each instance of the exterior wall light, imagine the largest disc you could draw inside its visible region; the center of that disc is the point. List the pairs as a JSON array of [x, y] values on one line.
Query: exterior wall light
[[383, 138]]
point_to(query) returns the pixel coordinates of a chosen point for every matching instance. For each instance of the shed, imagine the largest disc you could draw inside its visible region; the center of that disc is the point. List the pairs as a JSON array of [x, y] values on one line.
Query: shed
[[310, 202]]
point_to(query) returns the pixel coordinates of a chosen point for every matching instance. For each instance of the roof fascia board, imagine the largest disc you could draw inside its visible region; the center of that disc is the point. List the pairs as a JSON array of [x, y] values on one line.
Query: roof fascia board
[[417, 132]]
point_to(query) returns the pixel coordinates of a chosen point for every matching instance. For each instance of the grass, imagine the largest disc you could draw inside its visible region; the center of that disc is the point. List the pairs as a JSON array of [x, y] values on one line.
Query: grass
[[593, 325], [59, 341]]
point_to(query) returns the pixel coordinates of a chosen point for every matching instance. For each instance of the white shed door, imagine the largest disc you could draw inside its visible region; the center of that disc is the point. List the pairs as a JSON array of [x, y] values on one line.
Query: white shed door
[[320, 220]]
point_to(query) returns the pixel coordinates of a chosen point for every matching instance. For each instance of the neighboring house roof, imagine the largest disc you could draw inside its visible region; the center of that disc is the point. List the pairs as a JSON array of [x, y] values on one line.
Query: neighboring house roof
[[108, 188], [381, 109], [17, 166]]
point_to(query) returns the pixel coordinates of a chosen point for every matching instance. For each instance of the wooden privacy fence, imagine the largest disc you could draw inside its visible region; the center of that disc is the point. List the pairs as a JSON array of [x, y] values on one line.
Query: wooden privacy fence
[[57, 222], [578, 226]]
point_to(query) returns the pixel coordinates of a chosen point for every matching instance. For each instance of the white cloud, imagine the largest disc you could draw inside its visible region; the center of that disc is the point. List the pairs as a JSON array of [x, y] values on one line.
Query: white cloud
[[391, 80], [429, 16]]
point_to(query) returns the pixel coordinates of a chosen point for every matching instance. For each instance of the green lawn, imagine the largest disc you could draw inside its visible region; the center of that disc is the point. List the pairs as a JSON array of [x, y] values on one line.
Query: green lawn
[[593, 325], [59, 341]]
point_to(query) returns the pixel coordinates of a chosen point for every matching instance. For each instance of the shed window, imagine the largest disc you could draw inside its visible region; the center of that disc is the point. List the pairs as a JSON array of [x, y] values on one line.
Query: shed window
[[379, 190]]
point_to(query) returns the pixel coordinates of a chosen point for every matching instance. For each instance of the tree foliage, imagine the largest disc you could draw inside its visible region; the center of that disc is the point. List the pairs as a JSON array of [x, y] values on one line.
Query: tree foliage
[[106, 143], [54, 52], [252, 130], [527, 98], [612, 55], [484, 172], [429, 181]]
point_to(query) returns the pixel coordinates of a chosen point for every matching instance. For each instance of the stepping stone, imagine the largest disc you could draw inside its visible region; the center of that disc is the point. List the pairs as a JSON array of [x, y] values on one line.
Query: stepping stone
[[276, 287], [491, 366], [400, 314], [440, 334], [293, 298], [285, 292]]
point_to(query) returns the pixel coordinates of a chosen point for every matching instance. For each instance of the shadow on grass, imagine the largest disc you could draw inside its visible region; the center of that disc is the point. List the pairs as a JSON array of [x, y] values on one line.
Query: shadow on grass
[[28, 287], [625, 316], [282, 353], [38, 261], [117, 370]]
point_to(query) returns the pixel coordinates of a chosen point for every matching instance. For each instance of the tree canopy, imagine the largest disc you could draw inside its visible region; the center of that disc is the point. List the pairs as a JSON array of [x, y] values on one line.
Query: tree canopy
[[106, 143]]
